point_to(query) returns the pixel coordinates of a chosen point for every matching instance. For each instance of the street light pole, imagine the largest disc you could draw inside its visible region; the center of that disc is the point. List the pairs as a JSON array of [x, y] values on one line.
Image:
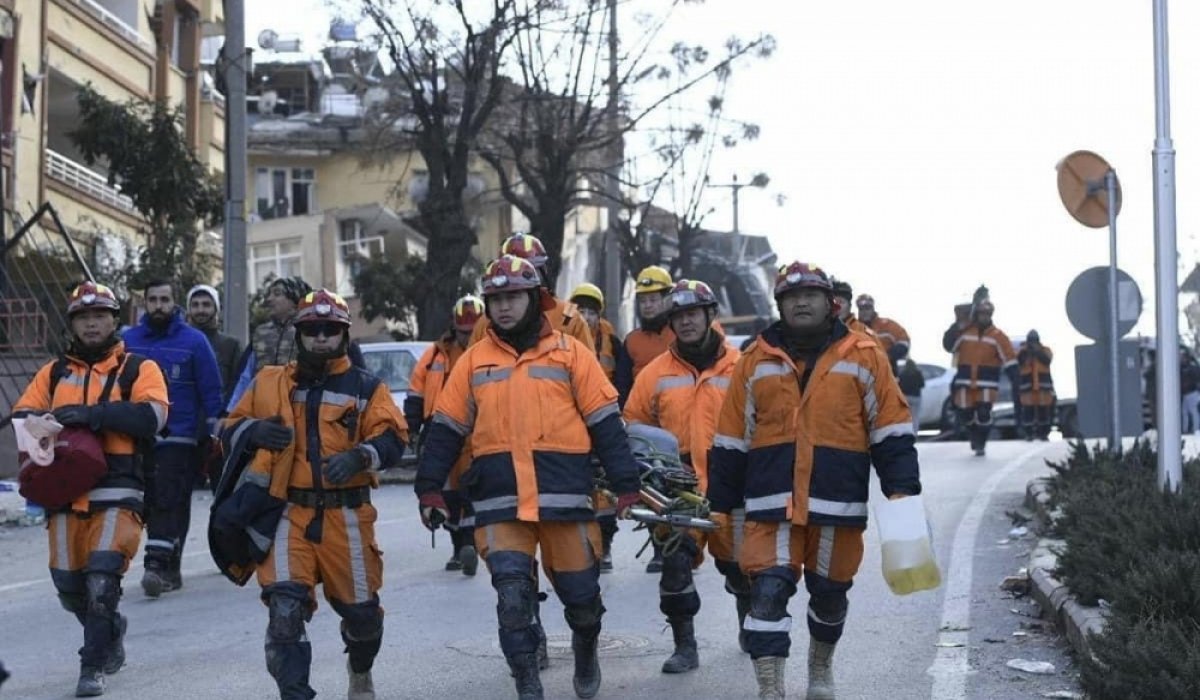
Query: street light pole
[[1170, 472], [736, 187], [612, 245], [234, 57]]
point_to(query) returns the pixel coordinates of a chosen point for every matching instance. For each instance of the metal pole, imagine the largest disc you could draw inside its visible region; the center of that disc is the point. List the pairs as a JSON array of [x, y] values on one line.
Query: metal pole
[[235, 55], [612, 245], [1170, 473], [1114, 368], [736, 187]]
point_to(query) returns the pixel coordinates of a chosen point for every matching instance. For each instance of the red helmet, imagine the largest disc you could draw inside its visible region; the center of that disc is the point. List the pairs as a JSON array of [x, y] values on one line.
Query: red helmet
[[525, 246], [90, 295], [691, 294], [323, 305], [799, 275], [509, 272], [467, 312]]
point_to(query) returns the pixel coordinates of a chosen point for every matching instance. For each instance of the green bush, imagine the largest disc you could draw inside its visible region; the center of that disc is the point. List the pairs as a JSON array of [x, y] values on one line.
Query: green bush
[[1138, 549]]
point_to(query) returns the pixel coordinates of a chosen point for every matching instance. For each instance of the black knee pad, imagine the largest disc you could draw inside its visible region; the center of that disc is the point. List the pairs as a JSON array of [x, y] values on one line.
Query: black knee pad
[[360, 621], [676, 572], [516, 603], [103, 593], [73, 602], [585, 617], [769, 597], [288, 615], [736, 582], [983, 413], [829, 608]]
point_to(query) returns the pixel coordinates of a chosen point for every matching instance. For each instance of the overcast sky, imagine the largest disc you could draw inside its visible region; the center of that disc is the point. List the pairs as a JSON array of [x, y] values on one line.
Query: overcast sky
[[916, 145]]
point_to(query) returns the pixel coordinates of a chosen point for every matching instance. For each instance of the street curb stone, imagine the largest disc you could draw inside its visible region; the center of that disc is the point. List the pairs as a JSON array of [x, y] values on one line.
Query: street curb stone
[[1078, 622]]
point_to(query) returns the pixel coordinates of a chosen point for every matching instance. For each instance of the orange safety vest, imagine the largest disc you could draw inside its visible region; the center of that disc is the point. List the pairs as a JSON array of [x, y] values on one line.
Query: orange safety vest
[[889, 332]]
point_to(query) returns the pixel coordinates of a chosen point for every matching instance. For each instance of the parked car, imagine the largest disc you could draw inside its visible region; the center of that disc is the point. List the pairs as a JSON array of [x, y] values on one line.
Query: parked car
[[394, 362]]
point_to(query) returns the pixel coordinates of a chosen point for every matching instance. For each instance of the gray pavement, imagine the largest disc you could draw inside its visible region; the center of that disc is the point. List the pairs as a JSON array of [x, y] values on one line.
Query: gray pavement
[[205, 642]]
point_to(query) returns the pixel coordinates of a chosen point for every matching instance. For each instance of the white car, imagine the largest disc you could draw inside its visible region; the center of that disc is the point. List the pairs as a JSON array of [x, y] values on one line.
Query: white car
[[935, 396], [394, 362]]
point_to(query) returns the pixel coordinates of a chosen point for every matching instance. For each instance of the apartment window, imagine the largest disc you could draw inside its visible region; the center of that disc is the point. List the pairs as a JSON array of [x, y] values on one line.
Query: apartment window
[[354, 246], [280, 192], [278, 258]]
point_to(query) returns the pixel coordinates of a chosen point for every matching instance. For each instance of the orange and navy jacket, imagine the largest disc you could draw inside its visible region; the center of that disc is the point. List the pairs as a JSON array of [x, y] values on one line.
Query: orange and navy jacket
[[139, 418], [981, 354], [608, 347], [640, 347], [670, 394], [533, 419], [854, 323], [563, 317], [427, 379], [795, 440], [1035, 369], [892, 336], [350, 408]]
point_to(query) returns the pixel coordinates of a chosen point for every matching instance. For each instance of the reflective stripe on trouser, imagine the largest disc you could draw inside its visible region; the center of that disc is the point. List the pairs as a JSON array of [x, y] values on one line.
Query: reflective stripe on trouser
[[169, 507], [967, 397], [775, 555], [73, 539], [569, 552], [347, 562]]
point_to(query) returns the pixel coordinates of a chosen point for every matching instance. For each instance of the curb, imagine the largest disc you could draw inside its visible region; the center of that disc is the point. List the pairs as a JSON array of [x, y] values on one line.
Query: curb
[[1078, 622]]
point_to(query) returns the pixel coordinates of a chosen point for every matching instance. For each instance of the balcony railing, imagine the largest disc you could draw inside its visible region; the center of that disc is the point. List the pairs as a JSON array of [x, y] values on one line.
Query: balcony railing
[[115, 23], [82, 178]]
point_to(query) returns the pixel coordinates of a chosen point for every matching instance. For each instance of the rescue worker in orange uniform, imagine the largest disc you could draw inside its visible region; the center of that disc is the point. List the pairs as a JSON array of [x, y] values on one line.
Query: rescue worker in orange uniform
[[563, 316], [424, 387], [891, 334], [305, 442], [536, 405], [122, 398], [981, 352], [682, 391], [811, 406], [653, 335], [843, 300], [589, 300], [1036, 387]]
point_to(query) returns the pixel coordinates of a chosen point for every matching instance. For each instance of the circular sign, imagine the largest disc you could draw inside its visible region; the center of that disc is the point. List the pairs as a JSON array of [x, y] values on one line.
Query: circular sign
[[1082, 190], [1087, 303]]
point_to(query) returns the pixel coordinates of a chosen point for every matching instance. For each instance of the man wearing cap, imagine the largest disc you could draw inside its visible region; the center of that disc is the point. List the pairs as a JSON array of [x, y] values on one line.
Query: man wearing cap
[[843, 299], [122, 399], [305, 443], [194, 388], [204, 313], [424, 387], [274, 341], [891, 334]]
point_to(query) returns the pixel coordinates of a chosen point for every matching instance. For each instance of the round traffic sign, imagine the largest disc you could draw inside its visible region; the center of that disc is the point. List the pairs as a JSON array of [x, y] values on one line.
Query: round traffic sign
[[1087, 303], [1081, 188]]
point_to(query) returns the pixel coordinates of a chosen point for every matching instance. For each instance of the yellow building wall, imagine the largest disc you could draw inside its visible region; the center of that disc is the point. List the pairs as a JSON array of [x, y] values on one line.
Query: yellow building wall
[[82, 219], [76, 49]]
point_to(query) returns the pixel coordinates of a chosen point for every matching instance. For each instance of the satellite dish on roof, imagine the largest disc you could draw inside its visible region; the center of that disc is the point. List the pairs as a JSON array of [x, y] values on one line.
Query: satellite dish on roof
[[267, 39]]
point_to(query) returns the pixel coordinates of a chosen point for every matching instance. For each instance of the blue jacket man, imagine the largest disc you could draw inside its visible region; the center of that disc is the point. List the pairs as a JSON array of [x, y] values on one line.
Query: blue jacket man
[[194, 389]]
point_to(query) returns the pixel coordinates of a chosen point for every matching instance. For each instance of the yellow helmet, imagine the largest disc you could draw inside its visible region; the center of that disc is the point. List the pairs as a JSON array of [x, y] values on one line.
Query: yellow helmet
[[589, 291], [654, 279]]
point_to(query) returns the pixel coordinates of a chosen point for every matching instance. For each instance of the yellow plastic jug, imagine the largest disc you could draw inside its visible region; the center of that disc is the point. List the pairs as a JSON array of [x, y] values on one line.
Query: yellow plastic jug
[[908, 563]]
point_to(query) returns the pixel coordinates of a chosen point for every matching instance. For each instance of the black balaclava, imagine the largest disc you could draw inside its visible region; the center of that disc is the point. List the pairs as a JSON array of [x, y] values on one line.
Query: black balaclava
[[312, 367], [92, 355], [703, 353], [525, 334]]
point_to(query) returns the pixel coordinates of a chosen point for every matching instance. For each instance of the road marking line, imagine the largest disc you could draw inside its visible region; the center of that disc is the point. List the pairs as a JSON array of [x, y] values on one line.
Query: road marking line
[[950, 667], [134, 566]]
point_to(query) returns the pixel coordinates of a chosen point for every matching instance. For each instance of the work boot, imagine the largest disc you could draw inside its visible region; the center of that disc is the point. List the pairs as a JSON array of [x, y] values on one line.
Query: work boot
[[361, 685], [768, 670], [587, 664], [654, 566], [469, 559], [525, 671], [154, 582], [820, 670], [453, 564], [173, 580], [91, 682], [116, 657], [685, 657], [980, 452], [606, 562], [743, 609]]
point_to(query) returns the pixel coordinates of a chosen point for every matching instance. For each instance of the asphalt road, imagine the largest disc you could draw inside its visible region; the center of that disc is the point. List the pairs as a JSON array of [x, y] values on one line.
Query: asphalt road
[[205, 641]]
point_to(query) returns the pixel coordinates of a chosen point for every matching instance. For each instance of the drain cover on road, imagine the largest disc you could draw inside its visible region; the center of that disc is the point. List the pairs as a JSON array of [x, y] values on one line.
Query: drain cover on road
[[559, 646]]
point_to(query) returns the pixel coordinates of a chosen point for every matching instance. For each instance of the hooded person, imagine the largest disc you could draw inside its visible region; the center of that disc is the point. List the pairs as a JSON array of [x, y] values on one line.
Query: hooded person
[[305, 443], [122, 398]]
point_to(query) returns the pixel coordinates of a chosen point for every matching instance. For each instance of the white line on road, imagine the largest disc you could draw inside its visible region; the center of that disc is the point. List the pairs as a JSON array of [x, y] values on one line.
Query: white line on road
[[135, 566], [950, 667]]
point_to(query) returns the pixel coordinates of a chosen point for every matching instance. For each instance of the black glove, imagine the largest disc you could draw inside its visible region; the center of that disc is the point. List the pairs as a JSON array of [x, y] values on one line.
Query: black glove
[[343, 465], [75, 415], [270, 433]]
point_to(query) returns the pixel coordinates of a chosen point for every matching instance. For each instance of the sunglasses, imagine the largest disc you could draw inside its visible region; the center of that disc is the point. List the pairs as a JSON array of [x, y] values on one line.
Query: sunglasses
[[329, 330]]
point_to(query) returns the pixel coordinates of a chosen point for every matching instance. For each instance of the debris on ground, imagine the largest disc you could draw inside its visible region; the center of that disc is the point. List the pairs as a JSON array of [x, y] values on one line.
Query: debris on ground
[[1031, 666]]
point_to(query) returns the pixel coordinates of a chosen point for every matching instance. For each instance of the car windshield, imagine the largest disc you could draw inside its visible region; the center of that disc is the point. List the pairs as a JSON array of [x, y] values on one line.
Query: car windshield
[[392, 366]]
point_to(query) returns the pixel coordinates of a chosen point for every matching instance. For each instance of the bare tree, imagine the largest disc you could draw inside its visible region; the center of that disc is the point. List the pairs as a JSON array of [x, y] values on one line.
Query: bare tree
[[446, 83], [553, 142]]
